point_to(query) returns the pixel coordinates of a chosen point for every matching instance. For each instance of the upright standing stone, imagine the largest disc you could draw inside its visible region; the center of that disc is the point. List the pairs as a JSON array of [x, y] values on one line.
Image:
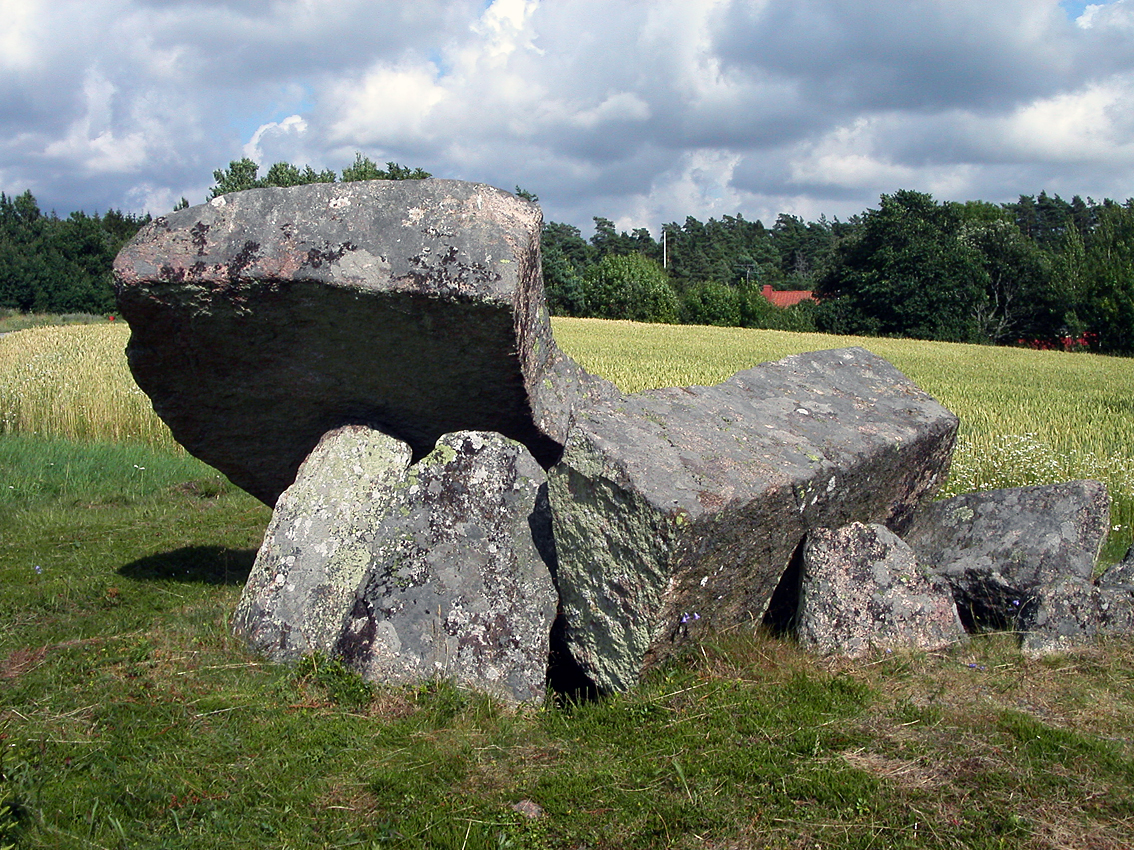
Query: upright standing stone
[[410, 573], [458, 587], [679, 509], [316, 549], [265, 318]]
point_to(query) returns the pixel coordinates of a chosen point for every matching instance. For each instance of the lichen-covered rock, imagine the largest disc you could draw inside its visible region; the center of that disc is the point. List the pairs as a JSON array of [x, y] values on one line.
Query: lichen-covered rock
[[265, 318], [861, 589], [998, 548], [433, 570], [680, 509], [1120, 573], [316, 548], [1059, 616], [457, 587], [1116, 608]]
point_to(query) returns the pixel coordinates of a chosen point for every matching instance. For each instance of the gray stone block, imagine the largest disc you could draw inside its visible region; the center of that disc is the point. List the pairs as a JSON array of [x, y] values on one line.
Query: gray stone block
[[457, 586], [1116, 609], [998, 549], [1120, 573], [316, 549], [1059, 616], [861, 590], [679, 509]]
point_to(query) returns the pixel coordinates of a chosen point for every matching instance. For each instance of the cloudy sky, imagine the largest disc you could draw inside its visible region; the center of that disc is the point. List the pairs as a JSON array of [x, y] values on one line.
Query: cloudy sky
[[643, 112]]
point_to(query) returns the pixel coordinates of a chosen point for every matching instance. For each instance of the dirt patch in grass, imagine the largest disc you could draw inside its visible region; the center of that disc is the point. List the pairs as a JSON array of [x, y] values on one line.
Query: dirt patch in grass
[[20, 661], [908, 773]]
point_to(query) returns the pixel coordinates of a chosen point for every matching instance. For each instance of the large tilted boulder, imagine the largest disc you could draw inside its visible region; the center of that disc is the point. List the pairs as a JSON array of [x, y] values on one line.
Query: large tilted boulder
[[266, 318], [862, 590], [999, 548], [680, 509], [409, 573]]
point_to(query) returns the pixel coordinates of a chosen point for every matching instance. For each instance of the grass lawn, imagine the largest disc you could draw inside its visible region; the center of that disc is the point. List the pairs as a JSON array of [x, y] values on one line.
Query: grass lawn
[[129, 717]]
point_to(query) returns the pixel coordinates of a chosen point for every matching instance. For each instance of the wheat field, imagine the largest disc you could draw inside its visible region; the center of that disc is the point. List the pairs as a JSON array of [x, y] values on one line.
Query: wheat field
[[73, 382], [1028, 417]]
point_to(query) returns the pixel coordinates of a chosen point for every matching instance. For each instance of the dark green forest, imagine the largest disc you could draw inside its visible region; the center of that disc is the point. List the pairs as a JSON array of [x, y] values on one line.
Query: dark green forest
[[1041, 271], [59, 265]]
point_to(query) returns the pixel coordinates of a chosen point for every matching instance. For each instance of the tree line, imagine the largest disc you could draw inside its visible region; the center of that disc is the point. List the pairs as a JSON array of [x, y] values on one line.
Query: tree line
[[1040, 271], [59, 265]]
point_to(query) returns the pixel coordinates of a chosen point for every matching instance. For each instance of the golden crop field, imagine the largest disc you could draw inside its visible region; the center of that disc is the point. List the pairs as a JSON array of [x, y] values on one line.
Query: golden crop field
[[1028, 417], [72, 381]]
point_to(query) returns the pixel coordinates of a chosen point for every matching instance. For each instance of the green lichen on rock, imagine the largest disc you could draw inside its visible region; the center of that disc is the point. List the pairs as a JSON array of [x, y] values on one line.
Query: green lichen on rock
[[313, 557], [408, 573]]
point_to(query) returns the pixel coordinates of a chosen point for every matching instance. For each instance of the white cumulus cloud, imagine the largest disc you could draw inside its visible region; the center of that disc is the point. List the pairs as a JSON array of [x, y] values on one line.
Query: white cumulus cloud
[[639, 112]]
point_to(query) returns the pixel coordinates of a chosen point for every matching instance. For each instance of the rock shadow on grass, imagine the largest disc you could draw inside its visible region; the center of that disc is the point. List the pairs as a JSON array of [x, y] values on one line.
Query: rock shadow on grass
[[216, 565]]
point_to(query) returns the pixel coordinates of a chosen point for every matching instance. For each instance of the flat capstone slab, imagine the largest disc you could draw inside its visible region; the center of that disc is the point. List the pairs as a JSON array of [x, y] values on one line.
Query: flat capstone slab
[[679, 509], [266, 318]]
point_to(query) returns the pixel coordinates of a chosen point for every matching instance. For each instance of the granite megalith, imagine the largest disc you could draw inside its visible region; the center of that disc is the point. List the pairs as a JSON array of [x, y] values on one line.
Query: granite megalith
[[999, 548], [1115, 588], [263, 319], [460, 584], [375, 361], [862, 590], [680, 509], [315, 551], [407, 573]]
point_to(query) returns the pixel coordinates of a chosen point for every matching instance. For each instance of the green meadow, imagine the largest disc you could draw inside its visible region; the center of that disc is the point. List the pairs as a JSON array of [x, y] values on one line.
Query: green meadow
[[129, 717]]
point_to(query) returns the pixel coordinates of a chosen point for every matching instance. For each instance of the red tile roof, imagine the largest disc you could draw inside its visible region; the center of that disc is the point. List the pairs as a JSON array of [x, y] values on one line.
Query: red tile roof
[[787, 297]]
